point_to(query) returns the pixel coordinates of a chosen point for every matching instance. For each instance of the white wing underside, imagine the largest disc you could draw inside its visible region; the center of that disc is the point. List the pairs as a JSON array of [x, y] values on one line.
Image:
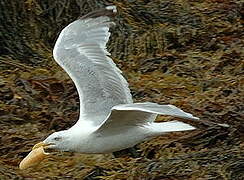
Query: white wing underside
[[127, 115], [81, 51]]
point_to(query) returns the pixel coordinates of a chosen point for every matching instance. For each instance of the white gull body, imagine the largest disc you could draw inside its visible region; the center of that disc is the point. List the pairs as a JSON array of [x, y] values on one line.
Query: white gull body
[[109, 120]]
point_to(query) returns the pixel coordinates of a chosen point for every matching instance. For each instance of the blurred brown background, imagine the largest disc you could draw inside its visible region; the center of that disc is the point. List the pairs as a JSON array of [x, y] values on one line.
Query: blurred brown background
[[183, 52]]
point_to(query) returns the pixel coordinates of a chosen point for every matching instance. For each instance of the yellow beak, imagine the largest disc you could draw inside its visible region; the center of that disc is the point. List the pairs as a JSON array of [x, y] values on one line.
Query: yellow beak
[[35, 156], [40, 144]]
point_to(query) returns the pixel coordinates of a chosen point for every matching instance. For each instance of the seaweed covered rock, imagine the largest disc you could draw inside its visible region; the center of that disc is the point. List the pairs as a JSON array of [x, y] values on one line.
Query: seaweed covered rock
[[186, 53]]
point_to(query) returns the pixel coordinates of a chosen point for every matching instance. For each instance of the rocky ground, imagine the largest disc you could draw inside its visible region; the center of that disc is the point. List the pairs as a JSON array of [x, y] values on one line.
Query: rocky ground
[[187, 53]]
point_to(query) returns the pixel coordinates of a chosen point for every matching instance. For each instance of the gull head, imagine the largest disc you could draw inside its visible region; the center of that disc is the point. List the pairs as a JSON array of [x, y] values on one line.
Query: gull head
[[60, 140]]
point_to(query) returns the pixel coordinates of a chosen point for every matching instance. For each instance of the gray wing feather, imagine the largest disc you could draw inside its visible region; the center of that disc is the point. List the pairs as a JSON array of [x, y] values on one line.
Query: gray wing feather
[[81, 51], [140, 113], [149, 107]]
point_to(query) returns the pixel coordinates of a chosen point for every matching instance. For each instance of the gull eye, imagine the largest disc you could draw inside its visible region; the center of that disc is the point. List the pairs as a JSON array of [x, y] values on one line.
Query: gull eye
[[57, 138]]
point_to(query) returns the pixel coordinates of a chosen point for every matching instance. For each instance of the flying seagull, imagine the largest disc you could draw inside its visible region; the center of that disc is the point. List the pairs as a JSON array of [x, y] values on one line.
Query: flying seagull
[[109, 120]]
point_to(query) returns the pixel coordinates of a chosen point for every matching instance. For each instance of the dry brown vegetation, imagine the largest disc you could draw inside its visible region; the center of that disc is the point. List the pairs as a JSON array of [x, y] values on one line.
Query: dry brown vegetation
[[183, 52]]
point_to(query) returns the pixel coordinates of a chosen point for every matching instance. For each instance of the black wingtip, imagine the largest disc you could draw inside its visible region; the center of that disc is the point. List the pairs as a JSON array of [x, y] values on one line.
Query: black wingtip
[[109, 11]]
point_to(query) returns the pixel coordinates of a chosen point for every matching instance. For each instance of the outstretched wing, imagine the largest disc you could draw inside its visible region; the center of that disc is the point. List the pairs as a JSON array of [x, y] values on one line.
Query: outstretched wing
[[81, 51], [126, 115], [155, 108]]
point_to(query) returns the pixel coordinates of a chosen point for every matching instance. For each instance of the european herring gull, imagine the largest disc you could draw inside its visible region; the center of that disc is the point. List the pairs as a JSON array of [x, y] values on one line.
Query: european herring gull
[[109, 120]]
